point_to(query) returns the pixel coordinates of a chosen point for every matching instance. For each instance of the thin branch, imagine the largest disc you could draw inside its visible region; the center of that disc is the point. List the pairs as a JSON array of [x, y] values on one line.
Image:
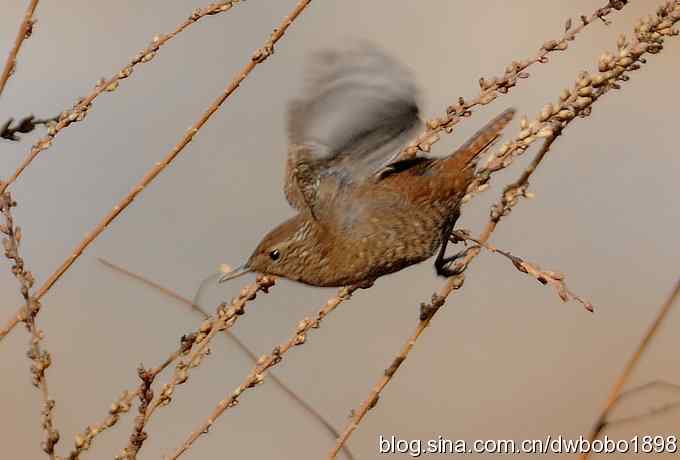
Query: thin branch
[[257, 58], [39, 357], [265, 363], [83, 441], [616, 393], [82, 106], [627, 394], [653, 412], [25, 30], [297, 399], [145, 394], [491, 88], [138, 436], [649, 36], [554, 279], [646, 386]]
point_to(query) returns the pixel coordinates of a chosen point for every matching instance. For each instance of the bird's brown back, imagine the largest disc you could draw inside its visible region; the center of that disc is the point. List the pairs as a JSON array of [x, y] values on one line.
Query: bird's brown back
[[446, 179]]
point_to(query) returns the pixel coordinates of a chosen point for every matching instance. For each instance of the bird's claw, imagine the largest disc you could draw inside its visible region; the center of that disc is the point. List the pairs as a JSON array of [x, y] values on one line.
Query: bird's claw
[[443, 265]]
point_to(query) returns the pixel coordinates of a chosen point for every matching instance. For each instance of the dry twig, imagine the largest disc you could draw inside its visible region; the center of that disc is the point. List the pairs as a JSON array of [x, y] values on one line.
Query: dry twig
[[555, 279], [616, 393], [39, 357], [653, 412], [84, 440], [25, 30], [667, 407], [648, 386], [145, 394]]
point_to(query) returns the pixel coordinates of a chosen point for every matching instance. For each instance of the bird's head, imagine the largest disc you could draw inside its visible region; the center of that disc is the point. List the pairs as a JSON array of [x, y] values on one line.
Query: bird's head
[[289, 250]]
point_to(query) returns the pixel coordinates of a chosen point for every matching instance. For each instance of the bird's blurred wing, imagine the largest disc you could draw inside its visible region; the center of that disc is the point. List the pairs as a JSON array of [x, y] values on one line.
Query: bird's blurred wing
[[358, 108]]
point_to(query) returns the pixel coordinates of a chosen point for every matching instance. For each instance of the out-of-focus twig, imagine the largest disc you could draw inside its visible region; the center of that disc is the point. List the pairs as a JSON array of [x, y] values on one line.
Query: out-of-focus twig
[[40, 358], [554, 279], [297, 399], [654, 411], [258, 57], [265, 363], [617, 389], [10, 130], [647, 386], [612, 69], [25, 30]]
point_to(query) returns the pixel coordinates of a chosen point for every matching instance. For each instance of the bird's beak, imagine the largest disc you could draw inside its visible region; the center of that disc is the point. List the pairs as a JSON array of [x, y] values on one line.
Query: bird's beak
[[235, 273]]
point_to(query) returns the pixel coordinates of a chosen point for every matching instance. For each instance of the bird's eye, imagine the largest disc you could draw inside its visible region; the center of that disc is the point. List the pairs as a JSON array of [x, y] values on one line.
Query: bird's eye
[[275, 254]]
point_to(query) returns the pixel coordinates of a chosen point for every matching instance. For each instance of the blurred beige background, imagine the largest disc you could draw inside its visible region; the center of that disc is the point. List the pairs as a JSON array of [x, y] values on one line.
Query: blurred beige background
[[504, 359]]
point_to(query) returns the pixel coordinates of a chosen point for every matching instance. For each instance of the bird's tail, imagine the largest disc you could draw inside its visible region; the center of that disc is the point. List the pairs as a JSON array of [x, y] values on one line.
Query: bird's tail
[[482, 139]]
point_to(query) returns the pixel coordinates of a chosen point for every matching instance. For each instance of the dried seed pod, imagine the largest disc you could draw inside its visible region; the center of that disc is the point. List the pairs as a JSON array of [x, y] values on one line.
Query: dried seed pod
[[546, 112]]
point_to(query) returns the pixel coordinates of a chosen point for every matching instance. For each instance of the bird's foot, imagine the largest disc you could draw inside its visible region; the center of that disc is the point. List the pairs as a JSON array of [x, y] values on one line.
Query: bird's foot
[[444, 266]]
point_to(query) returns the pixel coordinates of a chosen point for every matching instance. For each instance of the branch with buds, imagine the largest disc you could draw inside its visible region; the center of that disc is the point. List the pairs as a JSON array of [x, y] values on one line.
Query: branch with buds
[[25, 31], [554, 279], [40, 358], [491, 88]]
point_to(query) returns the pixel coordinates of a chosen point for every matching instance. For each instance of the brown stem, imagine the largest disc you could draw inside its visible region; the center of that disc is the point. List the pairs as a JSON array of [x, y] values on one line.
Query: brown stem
[[84, 439], [25, 29], [617, 389], [40, 358], [491, 88], [554, 279]]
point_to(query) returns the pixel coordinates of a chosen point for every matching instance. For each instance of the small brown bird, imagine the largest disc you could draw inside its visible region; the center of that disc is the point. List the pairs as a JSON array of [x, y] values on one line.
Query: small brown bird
[[363, 212]]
